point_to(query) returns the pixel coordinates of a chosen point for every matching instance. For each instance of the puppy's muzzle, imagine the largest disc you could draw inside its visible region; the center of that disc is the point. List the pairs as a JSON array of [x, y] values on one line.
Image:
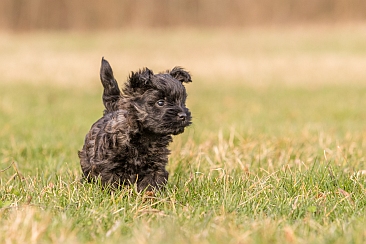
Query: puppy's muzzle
[[182, 116]]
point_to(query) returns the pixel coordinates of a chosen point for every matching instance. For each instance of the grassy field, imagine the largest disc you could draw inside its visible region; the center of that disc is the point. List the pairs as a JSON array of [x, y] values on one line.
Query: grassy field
[[276, 153]]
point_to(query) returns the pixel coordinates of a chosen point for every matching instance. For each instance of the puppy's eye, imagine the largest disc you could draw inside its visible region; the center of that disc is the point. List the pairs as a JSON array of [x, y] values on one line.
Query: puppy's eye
[[160, 103]]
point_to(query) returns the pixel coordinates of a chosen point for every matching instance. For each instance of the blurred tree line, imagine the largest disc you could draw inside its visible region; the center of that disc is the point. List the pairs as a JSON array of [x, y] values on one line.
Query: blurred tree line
[[108, 14]]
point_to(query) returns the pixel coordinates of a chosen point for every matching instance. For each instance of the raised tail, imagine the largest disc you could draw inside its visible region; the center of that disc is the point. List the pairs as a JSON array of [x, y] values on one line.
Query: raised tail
[[111, 93]]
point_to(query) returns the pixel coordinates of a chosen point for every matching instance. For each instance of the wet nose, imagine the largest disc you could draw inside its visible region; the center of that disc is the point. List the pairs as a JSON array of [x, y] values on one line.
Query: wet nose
[[182, 116]]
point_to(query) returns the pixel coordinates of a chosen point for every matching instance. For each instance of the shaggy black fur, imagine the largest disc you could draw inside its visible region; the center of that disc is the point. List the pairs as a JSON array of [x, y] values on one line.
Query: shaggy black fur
[[129, 143]]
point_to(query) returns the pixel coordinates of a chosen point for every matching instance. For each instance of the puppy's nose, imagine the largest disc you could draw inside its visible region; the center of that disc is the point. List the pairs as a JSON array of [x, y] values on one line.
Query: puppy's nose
[[182, 116]]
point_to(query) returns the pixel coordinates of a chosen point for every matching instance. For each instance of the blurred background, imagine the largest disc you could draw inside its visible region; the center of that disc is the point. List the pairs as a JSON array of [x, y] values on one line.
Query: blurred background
[[252, 42], [21, 15], [236, 51]]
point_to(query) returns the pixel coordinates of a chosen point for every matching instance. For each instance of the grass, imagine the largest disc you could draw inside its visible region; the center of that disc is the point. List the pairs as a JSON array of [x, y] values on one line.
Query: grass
[[273, 162]]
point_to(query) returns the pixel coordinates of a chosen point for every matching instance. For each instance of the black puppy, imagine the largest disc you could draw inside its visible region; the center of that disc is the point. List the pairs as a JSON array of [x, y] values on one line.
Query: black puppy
[[129, 143]]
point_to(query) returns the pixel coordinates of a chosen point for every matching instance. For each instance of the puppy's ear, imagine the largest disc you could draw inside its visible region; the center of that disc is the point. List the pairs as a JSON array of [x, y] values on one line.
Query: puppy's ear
[[106, 75], [139, 81], [180, 74], [111, 92]]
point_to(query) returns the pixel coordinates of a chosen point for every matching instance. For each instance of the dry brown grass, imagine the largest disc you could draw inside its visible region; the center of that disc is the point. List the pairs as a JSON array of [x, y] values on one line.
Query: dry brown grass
[[296, 55]]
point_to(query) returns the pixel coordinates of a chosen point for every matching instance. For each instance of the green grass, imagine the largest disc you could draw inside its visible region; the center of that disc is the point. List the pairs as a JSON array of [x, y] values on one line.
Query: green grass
[[275, 154], [259, 165]]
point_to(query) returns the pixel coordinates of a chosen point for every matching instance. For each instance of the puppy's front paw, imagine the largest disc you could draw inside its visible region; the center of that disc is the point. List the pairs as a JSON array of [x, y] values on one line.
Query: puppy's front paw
[[149, 193]]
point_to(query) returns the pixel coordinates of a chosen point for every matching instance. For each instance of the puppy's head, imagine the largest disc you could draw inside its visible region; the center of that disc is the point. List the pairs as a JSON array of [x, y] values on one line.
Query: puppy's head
[[159, 100]]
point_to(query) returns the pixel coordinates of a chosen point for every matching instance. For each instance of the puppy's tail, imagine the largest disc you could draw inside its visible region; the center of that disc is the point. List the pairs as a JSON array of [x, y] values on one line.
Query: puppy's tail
[[111, 93]]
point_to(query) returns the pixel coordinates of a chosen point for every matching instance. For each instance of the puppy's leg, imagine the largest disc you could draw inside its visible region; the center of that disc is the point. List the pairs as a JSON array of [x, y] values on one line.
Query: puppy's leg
[[153, 181]]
